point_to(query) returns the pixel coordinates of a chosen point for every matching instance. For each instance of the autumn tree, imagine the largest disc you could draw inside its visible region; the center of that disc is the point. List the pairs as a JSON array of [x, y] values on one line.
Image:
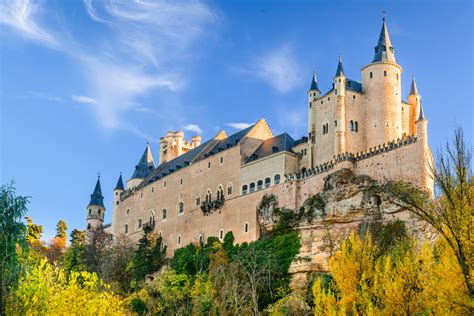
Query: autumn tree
[[57, 245], [94, 256], [451, 214], [37, 249], [12, 233]]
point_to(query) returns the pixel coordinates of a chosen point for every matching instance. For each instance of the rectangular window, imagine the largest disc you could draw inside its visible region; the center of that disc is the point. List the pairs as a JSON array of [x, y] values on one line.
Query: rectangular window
[[335, 123], [354, 97], [181, 182], [371, 75], [198, 201], [222, 160], [209, 164]]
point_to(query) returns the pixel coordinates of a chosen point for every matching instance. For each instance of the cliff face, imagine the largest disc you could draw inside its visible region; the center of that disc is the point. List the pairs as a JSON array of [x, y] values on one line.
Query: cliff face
[[326, 218]]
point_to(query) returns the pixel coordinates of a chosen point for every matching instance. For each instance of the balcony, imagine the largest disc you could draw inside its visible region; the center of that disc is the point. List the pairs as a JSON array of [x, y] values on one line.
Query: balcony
[[209, 207]]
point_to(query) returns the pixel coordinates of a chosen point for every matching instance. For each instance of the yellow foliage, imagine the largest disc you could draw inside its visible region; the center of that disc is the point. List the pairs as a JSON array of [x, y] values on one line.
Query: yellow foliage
[[46, 290]]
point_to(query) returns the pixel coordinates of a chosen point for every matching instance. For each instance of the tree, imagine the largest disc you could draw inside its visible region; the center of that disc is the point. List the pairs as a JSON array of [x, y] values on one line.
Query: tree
[[450, 215], [94, 256], [61, 229], [118, 256], [57, 245], [73, 258], [36, 247], [12, 233]]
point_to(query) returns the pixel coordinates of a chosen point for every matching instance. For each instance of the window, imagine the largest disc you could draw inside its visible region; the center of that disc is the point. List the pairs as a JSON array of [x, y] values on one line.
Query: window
[[244, 189], [336, 91], [371, 75], [385, 73], [267, 182], [98, 211], [246, 227], [222, 160], [221, 234], [89, 226], [354, 97], [339, 80], [141, 195], [277, 179], [356, 126], [198, 201], [259, 185], [152, 190], [335, 123], [128, 211], [310, 105], [397, 76], [208, 196], [352, 126], [322, 102], [329, 98], [229, 189], [125, 229], [180, 208], [139, 223], [117, 203], [181, 182], [201, 238], [90, 212], [209, 164], [151, 218], [179, 240], [252, 187], [164, 184], [164, 214], [220, 193]]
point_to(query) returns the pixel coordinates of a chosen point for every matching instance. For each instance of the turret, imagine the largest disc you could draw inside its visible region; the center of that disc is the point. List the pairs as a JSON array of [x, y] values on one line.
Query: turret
[[340, 109], [422, 126], [96, 209], [381, 81], [195, 141], [143, 169], [119, 189], [414, 100], [313, 95]]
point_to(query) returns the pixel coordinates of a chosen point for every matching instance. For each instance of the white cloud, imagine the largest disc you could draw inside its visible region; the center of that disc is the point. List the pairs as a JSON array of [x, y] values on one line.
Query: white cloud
[[193, 128], [278, 67], [139, 49], [84, 100], [47, 96], [239, 125]]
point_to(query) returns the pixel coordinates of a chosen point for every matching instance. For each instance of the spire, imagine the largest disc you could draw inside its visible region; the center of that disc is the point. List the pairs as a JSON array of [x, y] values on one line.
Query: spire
[[314, 83], [145, 165], [421, 116], [119, 185], [96, 196], [413, 87], [340, 69], [384, 48]]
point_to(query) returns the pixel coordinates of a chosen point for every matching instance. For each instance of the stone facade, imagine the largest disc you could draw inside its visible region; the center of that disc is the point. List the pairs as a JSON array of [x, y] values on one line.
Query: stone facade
[[208, 189]]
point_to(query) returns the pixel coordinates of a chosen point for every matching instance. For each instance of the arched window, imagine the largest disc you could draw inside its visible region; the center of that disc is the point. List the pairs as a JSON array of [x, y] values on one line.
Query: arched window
[[352, 126], [246, 227], [90, 211], [277, 179], [139, 223], [89, 226], [244, 189], [267, 182], [371, 75], [220, 193], [259, 184], [310, 104], [179, 240], [385, 73], [201, 239], [221, 234], [151, 218], [164, 214], [125, 229], [229, 188], [208, 196], [252, 187], [180, 208], [356, 126]]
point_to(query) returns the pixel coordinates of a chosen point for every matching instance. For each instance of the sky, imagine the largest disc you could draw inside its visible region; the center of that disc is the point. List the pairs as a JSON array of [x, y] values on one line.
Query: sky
[[85, 84]]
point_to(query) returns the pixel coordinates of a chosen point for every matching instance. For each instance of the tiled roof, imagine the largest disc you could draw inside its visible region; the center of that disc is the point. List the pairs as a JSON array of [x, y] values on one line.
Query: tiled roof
[[282, 142], [96, 196], [204, 150], [145, 165]]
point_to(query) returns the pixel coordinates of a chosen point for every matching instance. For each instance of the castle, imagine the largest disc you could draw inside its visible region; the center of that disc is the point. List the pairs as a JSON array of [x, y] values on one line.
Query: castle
[[208, 189]]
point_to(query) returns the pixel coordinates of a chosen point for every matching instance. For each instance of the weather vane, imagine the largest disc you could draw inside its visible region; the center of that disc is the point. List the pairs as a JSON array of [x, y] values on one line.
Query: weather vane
[[384, 15], [98, 174]]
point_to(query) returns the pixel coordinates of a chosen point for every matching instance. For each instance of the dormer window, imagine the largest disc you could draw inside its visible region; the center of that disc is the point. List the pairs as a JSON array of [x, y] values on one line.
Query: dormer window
[[274, 149]]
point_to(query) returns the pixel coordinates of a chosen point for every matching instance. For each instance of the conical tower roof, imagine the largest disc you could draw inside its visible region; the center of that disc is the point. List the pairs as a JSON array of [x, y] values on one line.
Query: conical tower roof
[[314, 83], [421, 116], [119, 185], [96, 196], [145, 165], [384, 49], [413, 87], [340, 69]]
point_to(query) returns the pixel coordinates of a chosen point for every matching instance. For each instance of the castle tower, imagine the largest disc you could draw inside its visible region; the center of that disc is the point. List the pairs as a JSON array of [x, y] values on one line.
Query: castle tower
[[119, 189], [426, 158], [414, 100], [143, 169], [381, 82], [313, 95], [96, 209], [340, 110]]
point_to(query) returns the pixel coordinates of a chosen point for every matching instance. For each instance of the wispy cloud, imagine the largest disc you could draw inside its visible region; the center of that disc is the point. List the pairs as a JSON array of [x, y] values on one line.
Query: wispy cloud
[[278, 67], [193, 128], [239, 125], [46, 96], [136, 51], [84, 100]]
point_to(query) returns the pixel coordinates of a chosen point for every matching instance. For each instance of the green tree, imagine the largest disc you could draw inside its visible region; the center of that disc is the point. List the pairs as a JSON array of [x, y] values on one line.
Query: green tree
[[61, 229], [73, 258], [12, 233]]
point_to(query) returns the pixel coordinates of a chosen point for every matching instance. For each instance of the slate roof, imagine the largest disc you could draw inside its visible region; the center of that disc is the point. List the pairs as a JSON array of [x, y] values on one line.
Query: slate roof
[[119, 185], [353, 85], [282, 142], [340, 69], [145, 165], [204, 150], [413, 87], [384, 48], [96, 196], [314, 83], [421, 116]]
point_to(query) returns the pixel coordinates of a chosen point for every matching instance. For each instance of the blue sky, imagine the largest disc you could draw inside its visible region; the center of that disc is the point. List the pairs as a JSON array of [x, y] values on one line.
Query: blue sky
[[84, 84]]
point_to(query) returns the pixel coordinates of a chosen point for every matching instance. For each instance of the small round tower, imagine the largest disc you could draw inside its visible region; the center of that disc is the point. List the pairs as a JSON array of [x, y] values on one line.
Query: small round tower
[[381, 82], [414, 100], [119, 189], [96, 209], [340, 109], [313, 95]]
